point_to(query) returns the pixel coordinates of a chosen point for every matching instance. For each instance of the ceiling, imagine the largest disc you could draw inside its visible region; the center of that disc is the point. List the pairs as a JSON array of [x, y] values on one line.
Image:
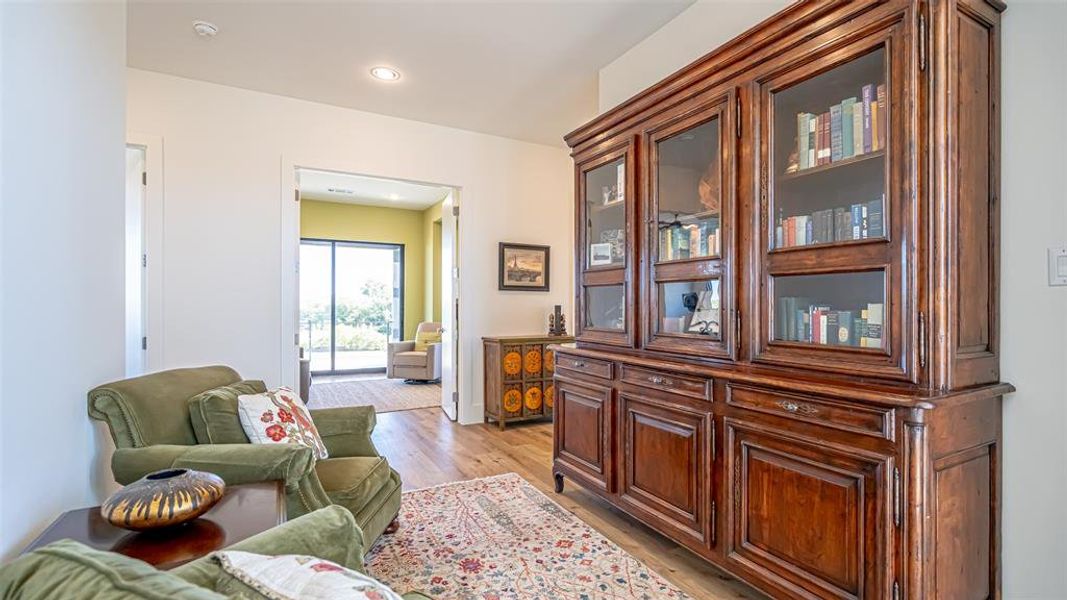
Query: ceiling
[[520, 69], [370, 191]]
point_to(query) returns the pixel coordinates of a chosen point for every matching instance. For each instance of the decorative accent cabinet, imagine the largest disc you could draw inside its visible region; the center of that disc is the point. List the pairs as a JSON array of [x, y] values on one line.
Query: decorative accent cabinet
[[787, 270], [518, 377]]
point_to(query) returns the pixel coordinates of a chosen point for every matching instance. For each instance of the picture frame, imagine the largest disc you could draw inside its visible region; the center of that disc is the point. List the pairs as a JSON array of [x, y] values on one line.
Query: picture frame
[[600, 254], [523, 267]]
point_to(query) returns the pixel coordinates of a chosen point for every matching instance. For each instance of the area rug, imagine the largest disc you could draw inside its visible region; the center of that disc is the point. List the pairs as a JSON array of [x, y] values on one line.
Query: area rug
[[386, 395], [499, 537]]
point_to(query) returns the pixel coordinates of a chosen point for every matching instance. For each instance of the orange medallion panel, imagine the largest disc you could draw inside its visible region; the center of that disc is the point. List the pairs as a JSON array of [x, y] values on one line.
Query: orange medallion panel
[[512, 362], [512, 400], [532, 361], [532, 399], [550, 396], [550, 362]]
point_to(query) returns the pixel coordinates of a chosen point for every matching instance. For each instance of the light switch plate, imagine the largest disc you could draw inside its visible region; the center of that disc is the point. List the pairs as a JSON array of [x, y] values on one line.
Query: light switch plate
[[1057, 266]]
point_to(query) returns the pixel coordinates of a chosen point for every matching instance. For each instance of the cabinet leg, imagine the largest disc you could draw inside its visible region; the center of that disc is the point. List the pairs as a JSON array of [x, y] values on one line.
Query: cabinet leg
[[393, 525], [559, 482], [500, 423]]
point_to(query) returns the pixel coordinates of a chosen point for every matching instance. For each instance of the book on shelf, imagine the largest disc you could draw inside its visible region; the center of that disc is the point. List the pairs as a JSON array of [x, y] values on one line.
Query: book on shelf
[[835, 133], [876, 218], [678, 241], [883, 113], [872, 333], [850, 128], [848, 148], [802, 140], [829, 138], [857, 128], [858, 221], [812, 130], [874, 126], [800, 319], [868, 96]]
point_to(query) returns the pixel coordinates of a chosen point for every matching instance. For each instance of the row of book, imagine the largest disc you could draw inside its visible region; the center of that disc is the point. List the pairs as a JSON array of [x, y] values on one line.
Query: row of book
[[678, 241], [857, 222], [803, 320], [854, 127]]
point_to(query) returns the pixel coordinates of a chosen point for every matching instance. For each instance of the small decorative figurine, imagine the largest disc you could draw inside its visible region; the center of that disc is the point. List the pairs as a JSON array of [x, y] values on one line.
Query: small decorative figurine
[[557, 323]]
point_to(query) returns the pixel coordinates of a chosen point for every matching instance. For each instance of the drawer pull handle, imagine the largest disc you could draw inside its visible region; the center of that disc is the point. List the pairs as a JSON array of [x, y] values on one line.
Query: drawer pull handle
[[798, 407], [656, 379], [578, 364]]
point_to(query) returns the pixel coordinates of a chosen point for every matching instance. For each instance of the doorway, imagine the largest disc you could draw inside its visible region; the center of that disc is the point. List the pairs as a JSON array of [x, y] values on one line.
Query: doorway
[[136, 337], [376, 270], [351, 304]]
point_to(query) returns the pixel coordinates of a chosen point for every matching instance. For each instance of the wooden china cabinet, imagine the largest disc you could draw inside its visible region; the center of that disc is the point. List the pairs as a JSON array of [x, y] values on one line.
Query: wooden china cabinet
[[786, 355]]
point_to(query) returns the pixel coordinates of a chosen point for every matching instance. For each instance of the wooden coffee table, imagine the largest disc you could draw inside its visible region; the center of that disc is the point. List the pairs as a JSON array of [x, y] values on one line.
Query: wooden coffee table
[[243, 511]]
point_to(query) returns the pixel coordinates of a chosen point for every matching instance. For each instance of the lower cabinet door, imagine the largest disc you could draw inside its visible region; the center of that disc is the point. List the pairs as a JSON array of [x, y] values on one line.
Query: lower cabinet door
[[666, 464], [807, 515], [583, 432]]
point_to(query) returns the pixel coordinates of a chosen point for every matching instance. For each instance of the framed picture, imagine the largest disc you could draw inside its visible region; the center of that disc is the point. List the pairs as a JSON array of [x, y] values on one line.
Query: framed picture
[[600, 254], [523, 267]]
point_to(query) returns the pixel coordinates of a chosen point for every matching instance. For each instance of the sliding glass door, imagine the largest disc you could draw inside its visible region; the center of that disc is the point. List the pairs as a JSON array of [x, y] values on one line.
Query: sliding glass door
[[351, 303]]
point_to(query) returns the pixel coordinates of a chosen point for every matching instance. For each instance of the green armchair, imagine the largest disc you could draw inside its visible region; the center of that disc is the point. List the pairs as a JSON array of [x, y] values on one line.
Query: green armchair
[[67, 569], [188, 418]]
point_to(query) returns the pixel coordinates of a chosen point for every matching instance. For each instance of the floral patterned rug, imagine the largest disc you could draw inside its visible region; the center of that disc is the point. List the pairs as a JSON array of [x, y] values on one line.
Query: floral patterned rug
[[499, 537]]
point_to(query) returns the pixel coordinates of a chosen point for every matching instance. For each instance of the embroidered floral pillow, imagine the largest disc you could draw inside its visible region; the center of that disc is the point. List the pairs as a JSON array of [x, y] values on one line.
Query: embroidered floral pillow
[[292, 576], [279, 417]]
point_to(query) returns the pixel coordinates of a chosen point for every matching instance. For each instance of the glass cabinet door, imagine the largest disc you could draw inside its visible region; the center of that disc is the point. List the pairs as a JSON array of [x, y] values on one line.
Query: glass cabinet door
[[606, 214], [831, 185], [829, 160], [605, 209], [688, 182], [832, 309], [688, 206]]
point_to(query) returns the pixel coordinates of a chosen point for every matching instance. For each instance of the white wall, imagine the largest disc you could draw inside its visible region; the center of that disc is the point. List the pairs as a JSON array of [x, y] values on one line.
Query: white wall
[[224, 211], [696, 31], [1033, 315], [1034, 207], [61, 252]]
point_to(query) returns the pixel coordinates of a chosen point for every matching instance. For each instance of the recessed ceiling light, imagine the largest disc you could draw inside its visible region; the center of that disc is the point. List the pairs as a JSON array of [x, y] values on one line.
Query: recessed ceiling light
[[205, 29], [385, 73], [394, 196]]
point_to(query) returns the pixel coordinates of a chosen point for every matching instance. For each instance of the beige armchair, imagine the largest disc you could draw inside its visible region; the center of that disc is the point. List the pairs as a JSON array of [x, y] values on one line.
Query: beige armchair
[[418, 359]]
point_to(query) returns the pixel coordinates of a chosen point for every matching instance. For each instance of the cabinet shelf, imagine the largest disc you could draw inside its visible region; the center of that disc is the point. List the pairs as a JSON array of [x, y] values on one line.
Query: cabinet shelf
[[609, 205], [831, 166], [687, 218]]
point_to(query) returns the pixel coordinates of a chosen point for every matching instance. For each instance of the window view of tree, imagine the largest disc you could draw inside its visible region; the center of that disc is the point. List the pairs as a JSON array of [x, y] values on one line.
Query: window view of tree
[[363, 322], [366, 314]]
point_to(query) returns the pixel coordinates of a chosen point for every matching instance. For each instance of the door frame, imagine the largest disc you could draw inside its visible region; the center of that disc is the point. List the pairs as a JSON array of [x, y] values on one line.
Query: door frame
[[152, 248], [333, 297], [289, 279]]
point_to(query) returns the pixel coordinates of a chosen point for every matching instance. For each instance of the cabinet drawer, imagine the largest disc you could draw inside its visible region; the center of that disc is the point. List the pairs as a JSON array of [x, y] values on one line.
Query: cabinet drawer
[[682, 384], [586, 366], [850, 417]]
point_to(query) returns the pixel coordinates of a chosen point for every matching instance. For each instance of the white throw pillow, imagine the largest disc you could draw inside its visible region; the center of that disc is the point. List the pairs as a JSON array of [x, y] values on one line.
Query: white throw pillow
[[305, 577], [279, 417]]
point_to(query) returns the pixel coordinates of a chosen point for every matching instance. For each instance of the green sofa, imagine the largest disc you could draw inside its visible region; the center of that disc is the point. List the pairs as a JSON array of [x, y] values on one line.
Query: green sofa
[[72, 571], [188, 418]]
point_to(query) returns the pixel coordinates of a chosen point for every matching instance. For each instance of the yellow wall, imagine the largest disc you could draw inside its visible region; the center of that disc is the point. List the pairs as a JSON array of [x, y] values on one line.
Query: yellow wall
[[431, 231], [356, 223]]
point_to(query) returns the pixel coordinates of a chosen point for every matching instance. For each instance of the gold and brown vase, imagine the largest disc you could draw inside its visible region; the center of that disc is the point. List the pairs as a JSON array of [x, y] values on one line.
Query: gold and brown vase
[[162, 499]]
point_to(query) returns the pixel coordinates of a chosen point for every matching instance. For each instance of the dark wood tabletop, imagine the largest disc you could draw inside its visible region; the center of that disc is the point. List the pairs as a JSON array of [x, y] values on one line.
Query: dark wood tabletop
[[243, 511]]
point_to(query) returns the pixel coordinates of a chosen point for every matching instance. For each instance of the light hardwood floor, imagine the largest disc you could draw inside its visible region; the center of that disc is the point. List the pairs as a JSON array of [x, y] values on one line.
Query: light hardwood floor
[[427, 449]]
